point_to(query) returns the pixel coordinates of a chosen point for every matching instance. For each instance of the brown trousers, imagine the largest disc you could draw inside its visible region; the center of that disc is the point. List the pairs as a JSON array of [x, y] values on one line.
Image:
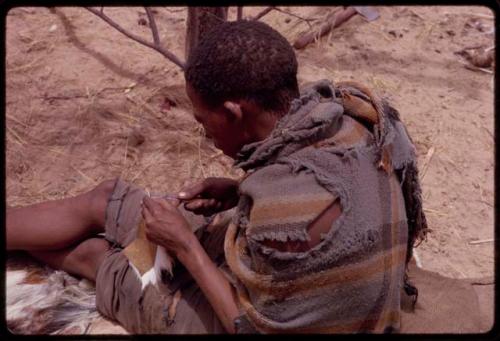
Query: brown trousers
[[119, 295]]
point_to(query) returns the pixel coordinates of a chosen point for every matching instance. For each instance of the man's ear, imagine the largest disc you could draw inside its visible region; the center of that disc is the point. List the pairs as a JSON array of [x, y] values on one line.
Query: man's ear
[[235, 109]]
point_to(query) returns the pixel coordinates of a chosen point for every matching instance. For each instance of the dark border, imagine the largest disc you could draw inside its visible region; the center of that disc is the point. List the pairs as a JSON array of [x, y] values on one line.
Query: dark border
[[5, 6]]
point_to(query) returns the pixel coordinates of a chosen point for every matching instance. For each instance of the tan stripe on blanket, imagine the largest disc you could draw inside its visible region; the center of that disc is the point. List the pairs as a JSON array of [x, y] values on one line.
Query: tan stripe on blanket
[[395, 218], [267, 284], [289, 208]]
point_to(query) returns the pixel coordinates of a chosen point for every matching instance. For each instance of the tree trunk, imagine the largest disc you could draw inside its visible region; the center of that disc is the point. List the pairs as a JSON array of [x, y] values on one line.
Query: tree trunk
[[201, 20]]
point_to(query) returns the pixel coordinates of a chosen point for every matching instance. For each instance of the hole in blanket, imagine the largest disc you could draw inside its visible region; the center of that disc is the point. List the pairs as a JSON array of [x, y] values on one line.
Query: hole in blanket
[[325, 91], [318, 227]]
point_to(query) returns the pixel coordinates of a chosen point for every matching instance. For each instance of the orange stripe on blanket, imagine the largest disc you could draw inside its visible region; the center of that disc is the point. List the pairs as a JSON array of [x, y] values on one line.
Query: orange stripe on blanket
[[266, 325], [351, 133], [268, 285]]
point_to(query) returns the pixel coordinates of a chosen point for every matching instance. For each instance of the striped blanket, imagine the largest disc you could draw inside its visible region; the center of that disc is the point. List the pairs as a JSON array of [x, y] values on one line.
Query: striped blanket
[[336, 143]]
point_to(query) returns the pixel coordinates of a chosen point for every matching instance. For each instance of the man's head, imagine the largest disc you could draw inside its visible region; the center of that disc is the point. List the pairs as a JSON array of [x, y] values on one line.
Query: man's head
[[241, 78]]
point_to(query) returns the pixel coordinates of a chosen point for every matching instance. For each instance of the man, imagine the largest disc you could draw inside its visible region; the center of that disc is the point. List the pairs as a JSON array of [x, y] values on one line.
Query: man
[[325, 220]]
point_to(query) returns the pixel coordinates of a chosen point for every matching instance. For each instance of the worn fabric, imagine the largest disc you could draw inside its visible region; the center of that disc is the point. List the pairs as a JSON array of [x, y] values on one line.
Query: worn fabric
[[180, 306], [337, 142]]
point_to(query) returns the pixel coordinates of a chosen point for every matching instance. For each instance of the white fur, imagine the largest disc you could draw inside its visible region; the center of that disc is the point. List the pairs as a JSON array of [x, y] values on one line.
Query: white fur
[[417, 258], [163, 261], [149, 278], [15, 276]]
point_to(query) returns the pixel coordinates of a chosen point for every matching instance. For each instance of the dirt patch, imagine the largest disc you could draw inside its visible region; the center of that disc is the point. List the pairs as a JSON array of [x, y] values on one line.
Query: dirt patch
[[84, 104]]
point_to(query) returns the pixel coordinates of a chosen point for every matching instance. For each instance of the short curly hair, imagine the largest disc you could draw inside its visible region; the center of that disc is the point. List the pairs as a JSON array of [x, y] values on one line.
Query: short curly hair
[[244, 60]]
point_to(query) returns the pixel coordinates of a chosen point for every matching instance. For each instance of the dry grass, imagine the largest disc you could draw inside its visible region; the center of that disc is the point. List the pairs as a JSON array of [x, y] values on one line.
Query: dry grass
[[174, 151]]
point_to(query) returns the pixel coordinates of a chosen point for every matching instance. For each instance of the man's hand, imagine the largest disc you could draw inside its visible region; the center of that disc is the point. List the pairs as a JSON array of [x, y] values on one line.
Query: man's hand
[[166, 226], [210, 196]]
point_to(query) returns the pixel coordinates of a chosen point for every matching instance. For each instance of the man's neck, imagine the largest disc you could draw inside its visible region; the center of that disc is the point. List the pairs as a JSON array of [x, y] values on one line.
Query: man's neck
[[263, 125]]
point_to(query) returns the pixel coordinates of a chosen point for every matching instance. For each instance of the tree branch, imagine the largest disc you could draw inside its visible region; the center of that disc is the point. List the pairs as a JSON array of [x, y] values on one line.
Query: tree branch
[[239, 13], [296, 16], [166, 53], [223, 19], [152, 25], [264, 12]]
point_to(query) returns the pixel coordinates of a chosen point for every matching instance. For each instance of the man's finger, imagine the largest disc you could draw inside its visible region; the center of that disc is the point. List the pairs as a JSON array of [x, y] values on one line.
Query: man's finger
[[153, 205], [169, 204], [148, 217], [173, 201], [148, 202], [195, 204], [192, 192], [212, 203]]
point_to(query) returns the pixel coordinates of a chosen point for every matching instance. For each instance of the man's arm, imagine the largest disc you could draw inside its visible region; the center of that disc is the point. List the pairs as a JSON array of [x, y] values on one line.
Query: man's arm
[[217, 289], [167, 227]]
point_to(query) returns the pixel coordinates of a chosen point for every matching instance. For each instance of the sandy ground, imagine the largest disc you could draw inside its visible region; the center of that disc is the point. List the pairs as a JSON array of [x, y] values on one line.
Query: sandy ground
[[84, 104]]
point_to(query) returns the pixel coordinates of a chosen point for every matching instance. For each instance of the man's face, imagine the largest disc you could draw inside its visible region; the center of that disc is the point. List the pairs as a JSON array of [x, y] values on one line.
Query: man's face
[[224, 129]]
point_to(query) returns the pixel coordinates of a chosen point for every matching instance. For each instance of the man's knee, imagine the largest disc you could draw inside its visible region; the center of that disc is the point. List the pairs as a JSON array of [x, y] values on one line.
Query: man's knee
[[99, 198], [89, 255], [82, 260], [104, 189]]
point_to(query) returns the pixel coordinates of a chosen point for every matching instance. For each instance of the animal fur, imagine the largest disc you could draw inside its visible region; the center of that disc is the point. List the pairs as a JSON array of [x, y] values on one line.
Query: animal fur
[[151, 263], [159, 270], [56, 303]]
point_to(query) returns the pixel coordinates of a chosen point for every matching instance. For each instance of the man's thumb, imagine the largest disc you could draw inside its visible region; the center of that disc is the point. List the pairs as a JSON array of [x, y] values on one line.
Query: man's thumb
[[191, 192]]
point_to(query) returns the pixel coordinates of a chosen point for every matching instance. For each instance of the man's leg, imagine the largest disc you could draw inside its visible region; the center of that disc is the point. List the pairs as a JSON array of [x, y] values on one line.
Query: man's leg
[[58, 224], [82, 260]]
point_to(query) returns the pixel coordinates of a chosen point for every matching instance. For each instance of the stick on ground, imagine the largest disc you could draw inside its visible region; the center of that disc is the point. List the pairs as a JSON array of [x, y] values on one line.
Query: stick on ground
[[335, 21], [264, 12], [482, 241], [427, 160]]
